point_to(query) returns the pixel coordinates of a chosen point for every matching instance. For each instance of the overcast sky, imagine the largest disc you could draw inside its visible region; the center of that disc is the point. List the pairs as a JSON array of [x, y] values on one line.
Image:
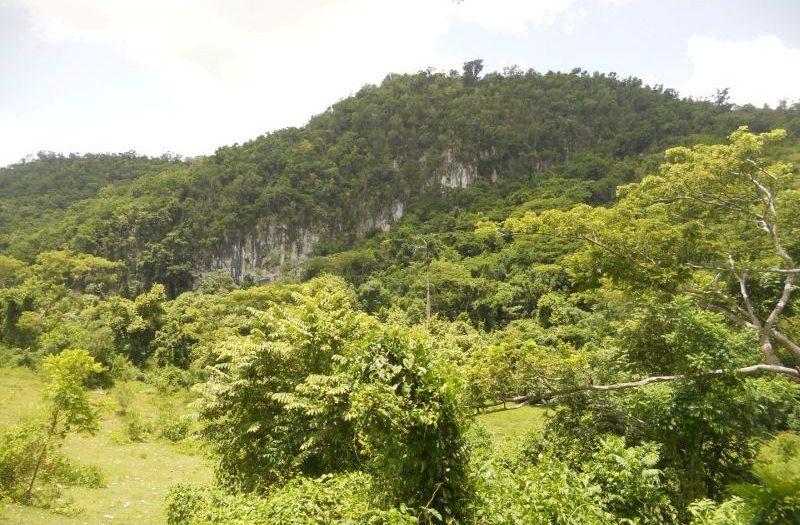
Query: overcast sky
[[188, 76]]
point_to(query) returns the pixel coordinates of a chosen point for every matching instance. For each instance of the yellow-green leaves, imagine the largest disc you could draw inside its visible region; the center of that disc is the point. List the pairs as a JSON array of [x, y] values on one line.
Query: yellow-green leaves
[[69, 405]]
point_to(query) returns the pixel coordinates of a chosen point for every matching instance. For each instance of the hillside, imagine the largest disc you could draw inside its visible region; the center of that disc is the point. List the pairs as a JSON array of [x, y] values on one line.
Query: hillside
[[414, 150]]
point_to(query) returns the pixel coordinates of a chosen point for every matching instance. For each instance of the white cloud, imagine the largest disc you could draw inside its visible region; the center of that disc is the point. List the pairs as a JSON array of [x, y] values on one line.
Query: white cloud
[[757, 71], [236, 68], [513, 16], [616, 2], [16, 137]]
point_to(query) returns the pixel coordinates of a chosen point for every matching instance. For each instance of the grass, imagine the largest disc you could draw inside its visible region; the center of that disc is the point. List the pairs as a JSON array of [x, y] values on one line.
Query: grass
[[512, 423], [138, 473]]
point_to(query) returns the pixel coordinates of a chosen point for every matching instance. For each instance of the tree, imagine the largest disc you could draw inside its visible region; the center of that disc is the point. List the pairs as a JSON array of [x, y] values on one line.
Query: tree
[[319, 388], [427, 248], [69, 406], [717, 223], [472, 69]]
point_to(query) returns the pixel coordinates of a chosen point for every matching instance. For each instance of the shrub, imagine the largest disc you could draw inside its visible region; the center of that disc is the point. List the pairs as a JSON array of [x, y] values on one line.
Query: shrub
[[89, 476], [20, 449], [170, 379], [123, 394], [528, 482], [775, 499], [334, 500], [174, 427], [121, 369], [136, 429]]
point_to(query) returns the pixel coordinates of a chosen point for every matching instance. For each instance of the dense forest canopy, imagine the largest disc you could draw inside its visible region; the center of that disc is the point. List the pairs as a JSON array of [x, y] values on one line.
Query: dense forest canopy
[[614, 259]]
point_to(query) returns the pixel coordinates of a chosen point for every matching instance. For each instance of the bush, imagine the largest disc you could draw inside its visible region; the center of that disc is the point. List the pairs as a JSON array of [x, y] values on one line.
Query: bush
[[123, 394], [775, 499], [136, 429], [89, 476], [121, 369], [170, 379], [528, 482], [320, 389], [20, 448], [18, 454], [334, 500], [730, 512], [11, 356], [549, 493], [174, 427]]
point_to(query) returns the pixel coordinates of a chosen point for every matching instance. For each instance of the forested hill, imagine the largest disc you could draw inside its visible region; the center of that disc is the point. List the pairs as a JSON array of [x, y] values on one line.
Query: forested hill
[[434, 151]]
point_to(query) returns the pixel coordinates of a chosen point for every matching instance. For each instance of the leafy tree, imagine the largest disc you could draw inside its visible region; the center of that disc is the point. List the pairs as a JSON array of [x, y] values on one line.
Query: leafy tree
[[318, 388], [69, 406], [715, 224]]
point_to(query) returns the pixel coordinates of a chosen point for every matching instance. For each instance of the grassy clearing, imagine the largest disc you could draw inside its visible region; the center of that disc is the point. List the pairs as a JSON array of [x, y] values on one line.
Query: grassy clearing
[[512, 423], [138, 473]]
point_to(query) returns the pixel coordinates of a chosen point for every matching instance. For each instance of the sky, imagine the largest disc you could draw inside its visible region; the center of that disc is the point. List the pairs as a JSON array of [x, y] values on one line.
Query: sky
[[189, 76]]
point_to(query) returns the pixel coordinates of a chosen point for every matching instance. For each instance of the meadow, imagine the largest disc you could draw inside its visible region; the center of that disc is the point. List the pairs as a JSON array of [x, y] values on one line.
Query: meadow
[[139, 473]]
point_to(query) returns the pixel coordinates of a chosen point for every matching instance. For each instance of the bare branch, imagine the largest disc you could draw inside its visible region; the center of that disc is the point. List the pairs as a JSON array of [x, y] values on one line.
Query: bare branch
[[521, 401], [729, 315], [788, 286], [742, 279], [697, 266], [785, 341]]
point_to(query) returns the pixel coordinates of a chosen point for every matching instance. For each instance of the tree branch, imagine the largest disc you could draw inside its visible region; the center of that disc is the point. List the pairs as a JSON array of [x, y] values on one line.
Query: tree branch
[[785, 341], [697, 266], [521, 401]]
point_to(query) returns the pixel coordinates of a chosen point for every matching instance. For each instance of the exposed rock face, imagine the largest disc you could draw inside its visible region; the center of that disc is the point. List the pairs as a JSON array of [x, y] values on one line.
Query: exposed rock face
[[265, 252], [383, 219], [456, 175]]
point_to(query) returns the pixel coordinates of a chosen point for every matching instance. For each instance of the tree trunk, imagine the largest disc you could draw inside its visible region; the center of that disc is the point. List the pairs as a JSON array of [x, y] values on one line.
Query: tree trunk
[[50, 432], [428, 293]]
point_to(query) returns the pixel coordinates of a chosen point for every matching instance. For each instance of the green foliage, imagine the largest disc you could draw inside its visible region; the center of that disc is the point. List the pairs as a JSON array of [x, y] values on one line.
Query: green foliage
[[318, 388], [89, 476], [775, 498], [216, 283], [69, 409], [344, 399], [18, 452], [21, 458], [706, 426], [708, 512], [69, 406], [174, 427], [135, 429], [617, 484], [350, 168], [337, 500], [630, 481]]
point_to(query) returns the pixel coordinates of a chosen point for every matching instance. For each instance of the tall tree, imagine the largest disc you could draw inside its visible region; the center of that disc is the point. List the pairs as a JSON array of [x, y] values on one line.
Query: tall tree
[[719, 223]]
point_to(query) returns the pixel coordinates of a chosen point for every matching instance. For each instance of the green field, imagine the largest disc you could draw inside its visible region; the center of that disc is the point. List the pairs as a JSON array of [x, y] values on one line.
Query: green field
[[138, 473], [512, 423]]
